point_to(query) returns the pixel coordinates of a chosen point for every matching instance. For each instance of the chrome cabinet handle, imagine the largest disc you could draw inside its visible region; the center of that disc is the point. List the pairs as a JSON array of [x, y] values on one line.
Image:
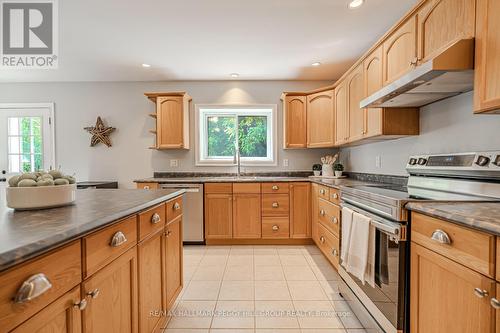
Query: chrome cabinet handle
[[177, 206], [322, 212], [335, 220], [276, 228], [275, 187], [118, 239], [35, 286], [322, 191], [275, 205], [495, 303], [94, 293], [480, 292], [322, 239], [441, 237], [335, 196], [335, 253], [81, 305], [155, 218]]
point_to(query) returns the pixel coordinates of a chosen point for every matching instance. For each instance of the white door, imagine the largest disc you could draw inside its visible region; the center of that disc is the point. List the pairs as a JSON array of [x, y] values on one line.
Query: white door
[[26, 138]]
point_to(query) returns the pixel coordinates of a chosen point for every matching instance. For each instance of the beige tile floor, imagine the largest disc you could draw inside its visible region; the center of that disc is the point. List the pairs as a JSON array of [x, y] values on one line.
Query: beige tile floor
[[260, 289]]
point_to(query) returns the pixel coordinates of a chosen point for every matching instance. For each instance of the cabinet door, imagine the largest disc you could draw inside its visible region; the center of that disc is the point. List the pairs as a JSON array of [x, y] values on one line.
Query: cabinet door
[[341, 114], [295, 121], [441, 23], [400, 54], [170, 122], [487, 67], [62, 316], [246, 216], [151, 281], [443, 297], [218, 216], [114, 306], [372, 66], [355, 93], [320, 120], [314, 211], [173, 265], [300, 212]]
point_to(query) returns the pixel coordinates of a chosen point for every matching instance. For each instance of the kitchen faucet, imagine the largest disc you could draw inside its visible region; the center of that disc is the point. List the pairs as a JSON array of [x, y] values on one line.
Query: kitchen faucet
[[237, 159]]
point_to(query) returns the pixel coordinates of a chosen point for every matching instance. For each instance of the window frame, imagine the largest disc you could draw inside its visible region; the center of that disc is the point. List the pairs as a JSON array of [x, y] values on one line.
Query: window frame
[[203, 111]]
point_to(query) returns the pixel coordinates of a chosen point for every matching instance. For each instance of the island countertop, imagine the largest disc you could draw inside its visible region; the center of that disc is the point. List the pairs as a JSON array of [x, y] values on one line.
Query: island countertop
[[27, 234]]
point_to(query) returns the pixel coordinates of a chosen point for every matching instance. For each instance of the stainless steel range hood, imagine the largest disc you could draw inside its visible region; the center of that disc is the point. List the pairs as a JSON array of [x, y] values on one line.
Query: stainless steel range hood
[[448, 74]]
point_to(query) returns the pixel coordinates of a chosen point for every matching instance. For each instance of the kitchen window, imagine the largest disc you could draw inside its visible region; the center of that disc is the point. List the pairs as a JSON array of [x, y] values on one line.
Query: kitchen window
[[223, 129]]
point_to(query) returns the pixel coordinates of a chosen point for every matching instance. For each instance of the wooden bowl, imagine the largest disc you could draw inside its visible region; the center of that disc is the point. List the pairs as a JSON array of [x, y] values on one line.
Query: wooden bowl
[[27, 198]]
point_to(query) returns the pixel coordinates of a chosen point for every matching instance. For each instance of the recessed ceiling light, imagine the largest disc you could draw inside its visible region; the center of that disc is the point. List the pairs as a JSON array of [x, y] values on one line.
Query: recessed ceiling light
[[146, 65], [316, 64], [356, 3], [234, 75]]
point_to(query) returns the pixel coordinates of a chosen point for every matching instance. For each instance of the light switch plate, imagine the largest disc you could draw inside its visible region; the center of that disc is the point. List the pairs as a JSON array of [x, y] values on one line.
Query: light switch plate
[[285, 162], [174, 163], [378, 161]]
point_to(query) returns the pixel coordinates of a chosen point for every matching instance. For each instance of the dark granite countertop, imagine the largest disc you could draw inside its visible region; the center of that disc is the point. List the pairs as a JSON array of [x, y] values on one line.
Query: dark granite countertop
[[26, 234], [483, 216]]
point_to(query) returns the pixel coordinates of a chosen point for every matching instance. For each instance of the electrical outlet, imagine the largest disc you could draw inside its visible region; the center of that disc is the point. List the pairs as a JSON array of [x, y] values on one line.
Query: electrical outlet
[[378, 161], [285, 162], [174, 163]]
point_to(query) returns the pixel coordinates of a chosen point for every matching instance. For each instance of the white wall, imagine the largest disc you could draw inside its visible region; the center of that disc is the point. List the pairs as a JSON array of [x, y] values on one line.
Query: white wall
[[445, 127], [124, 106]]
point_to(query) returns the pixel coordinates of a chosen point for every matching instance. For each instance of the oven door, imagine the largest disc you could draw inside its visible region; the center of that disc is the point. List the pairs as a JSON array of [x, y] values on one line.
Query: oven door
[[385, 302]]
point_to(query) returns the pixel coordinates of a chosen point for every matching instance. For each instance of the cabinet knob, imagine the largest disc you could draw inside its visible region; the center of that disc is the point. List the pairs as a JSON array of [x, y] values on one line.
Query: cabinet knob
[[335, 253], [495, 303], [146, 187], [441, 237], [33, 287], [118, 239], [414, 62], [155, 218], [322, 239], [169, 232], [275, 187], [276, 228], [275, 205], [335, 196], [322, 212], [322, 191], [335, 220], [94, 293], [177, 206], [480, 292], [81, 305]]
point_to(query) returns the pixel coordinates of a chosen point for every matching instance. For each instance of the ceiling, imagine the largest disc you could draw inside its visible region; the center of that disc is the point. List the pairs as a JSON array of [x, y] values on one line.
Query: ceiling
[[108, 40]]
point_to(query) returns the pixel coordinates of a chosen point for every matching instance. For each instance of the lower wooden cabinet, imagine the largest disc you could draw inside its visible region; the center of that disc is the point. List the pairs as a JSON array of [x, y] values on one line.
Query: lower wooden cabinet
[[314, 211], [112, 297], [147, 186], [448, 297], [62, 316], [218, 216], [300, 213], [247, 216], [173, 260]]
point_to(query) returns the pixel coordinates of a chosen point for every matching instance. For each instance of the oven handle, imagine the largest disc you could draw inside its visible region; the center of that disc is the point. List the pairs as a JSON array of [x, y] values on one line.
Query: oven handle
[[396, 231]]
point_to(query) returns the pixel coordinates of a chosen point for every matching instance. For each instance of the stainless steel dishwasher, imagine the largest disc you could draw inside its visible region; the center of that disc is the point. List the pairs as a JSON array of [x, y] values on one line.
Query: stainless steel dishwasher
[[192, 219]]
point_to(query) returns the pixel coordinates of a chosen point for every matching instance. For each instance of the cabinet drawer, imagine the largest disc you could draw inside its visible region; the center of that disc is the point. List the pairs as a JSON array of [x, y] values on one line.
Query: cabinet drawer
[[324, 192], [275, 188], [62, 268], [218, 188], [329, 216], [174, 209], [246, 188], [498, 260], [275, 205], [335, 196], [329, 244], [151, 221], [471, 248], [147, 186], [275, 227], [102, 247]]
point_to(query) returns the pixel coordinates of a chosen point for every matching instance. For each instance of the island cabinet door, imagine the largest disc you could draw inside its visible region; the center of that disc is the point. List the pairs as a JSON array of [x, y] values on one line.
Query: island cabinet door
[[218, 216], [173, 262], [246, 216], [152, 302], [62, 316], [300, 213], [111, 295], [448, 297]]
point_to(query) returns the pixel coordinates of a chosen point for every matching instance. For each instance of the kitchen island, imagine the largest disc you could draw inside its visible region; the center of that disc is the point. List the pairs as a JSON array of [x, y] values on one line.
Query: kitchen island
[[102, 264]]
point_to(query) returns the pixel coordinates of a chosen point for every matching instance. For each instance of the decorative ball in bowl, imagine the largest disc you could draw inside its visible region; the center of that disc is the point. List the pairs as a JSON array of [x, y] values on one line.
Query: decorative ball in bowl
[[39, 190]]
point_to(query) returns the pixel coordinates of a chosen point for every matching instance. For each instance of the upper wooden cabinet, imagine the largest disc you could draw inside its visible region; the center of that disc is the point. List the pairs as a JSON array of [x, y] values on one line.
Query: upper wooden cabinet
[[172, 120], [341, 114], [320, 120], [355, 93], [399, 51], [487, 66], [441, 23], [295, 122], [373, 72]]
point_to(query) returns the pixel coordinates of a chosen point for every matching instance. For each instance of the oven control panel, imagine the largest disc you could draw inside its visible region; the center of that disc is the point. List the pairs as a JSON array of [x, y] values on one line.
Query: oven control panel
[[467, 162]]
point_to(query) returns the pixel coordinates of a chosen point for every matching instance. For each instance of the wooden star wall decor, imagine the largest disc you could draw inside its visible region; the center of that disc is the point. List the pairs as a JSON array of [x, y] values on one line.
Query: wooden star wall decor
[[100, 133]]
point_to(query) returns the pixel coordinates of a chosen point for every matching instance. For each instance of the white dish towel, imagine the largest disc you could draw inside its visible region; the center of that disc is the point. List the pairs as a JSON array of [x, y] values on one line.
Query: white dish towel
[[361, 251], [345, 233]]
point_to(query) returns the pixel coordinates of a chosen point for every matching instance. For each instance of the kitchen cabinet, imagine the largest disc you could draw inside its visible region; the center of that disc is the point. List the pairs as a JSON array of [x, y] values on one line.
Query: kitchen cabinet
[[147, 186], [295, 121], [172, 120], [442, 23], [112, 297], [494, 302], [314, 211], [373, 71], [173, 260], [341, 114], [355, 93], [320, 120], [300, 214], [246, 215], [399, 51], [218, 215], [487, 58], [448, 297]]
